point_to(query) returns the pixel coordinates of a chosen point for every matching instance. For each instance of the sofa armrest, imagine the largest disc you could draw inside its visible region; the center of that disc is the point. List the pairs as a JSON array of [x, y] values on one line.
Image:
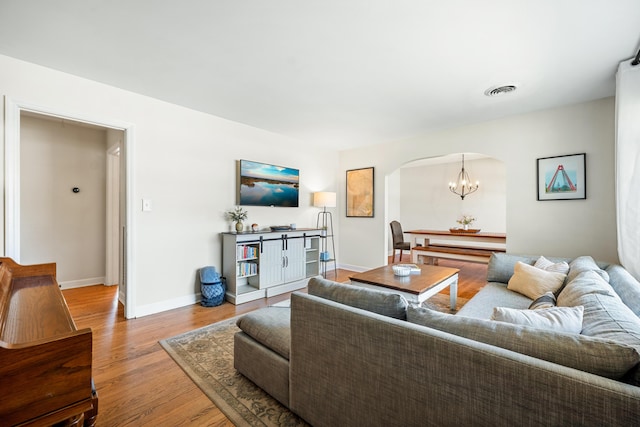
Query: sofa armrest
[[352, 367]]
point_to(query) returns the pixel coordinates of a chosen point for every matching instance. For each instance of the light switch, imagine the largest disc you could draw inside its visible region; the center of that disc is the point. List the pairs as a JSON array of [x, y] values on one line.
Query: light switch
[[146, 205]]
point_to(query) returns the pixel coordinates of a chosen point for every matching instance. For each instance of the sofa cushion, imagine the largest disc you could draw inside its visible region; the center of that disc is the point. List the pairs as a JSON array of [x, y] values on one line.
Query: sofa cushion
[[582, 264], [563, 319], [547, 300], [385, 303], [558, 267], [626, 286], [605, 315], [271, 327], [534, 282], [493, 294], [595, 355]]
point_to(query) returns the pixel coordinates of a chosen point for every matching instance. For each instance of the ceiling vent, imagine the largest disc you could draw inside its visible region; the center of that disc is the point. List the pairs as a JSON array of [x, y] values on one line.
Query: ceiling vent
[[500, 90]]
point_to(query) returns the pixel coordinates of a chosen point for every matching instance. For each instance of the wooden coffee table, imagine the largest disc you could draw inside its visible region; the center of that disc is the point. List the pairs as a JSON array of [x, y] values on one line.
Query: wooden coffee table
[[417, 287]]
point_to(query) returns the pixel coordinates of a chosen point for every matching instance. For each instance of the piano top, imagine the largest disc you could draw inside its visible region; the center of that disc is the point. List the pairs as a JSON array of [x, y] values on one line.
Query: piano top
[[36, 310]]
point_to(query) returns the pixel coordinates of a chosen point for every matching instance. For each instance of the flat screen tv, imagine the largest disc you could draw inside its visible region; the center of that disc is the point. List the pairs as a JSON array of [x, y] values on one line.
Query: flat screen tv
[[261, 184]]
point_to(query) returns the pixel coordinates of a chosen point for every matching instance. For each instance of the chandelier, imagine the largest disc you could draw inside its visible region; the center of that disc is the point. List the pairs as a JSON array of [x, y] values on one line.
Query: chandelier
[[462, 186]]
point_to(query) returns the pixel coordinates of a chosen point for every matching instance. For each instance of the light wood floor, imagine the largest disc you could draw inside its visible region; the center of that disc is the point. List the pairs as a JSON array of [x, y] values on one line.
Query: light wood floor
[[138, 383]]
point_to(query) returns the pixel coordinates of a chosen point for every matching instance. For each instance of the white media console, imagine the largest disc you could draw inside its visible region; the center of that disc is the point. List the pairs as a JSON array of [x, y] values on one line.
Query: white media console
[[263, 264]]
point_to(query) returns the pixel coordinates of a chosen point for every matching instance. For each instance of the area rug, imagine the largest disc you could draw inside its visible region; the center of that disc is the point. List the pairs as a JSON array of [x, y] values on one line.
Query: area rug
[[440, 302], [206, 356]]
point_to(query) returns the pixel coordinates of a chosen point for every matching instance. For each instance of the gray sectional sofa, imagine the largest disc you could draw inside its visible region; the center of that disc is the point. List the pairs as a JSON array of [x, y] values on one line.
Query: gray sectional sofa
[[342, 355]]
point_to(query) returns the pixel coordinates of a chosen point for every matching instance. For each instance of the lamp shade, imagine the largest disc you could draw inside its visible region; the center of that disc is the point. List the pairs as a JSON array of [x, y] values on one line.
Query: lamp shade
[[324, 199]]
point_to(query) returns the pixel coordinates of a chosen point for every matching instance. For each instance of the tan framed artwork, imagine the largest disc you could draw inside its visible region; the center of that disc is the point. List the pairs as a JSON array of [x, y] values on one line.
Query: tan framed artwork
[[360, 193]]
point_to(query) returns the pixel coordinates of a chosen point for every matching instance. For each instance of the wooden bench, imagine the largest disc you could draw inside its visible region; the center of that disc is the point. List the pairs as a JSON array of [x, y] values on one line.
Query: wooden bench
[[431, 253], [44, 358]]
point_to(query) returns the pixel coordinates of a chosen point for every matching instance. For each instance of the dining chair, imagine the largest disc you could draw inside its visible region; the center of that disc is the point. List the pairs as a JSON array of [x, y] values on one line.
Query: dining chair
[[398, 240]]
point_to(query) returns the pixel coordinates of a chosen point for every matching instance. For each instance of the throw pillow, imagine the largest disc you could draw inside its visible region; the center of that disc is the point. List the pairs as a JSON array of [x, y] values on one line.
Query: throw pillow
[[533, 282], [547, 300], [563, 319], [501, 266], [595, 355], [558, 267], [385, 303]]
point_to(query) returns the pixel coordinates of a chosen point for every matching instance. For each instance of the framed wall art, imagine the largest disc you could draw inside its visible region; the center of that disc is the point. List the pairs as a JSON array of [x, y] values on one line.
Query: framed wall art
[[360, 193], [562, 177]]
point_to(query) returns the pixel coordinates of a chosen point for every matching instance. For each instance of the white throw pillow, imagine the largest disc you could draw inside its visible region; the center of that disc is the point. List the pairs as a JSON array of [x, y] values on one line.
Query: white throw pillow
[[533, 282], [562, 319], [558, 267]]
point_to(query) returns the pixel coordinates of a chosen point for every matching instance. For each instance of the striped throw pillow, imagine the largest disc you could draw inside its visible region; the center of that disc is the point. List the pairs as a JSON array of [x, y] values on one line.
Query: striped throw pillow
[[547, 300]]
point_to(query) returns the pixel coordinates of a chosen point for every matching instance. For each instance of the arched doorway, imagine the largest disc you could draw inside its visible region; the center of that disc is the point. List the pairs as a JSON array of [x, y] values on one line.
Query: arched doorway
[[418, 194]]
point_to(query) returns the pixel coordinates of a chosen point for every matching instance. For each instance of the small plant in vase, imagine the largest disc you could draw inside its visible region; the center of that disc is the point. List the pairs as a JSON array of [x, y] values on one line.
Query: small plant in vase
[[238, 215], [466, 221]]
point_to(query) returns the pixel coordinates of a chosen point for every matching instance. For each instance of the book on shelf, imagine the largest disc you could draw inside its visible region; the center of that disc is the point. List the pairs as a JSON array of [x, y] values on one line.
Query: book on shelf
[[244, 252], [246, 269]]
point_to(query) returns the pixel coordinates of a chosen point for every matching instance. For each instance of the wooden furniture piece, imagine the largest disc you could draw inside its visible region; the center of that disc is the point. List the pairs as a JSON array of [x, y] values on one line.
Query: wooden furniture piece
[[417, 287], [45, 361], [263, 264], [474, 247], [397, 237]]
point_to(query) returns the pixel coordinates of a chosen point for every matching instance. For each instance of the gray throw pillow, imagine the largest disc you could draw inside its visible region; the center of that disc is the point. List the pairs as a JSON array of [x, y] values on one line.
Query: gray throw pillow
[[626, 286], [387, 304], [501, 266], [595, 355], [547, 300]]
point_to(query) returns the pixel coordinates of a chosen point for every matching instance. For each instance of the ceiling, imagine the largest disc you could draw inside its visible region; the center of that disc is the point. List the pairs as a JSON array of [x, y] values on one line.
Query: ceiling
[[342, 73]]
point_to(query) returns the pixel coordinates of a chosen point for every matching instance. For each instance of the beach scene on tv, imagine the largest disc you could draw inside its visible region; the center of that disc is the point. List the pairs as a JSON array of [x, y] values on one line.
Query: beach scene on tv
[[268, 185]]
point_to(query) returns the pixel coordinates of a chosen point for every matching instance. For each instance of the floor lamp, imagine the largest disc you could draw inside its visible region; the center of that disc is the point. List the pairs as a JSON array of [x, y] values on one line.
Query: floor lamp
[[324, 200]]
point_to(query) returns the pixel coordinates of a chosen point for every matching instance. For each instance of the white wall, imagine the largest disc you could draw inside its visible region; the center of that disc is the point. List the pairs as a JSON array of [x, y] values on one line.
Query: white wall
[[57, 225], [562, 228], [394, 196], [427, 203], [185, 162]]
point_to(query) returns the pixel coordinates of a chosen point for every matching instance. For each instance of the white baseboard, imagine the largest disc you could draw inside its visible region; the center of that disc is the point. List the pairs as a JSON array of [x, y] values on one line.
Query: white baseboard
[[355, 268], [81, 283], [158, 307]]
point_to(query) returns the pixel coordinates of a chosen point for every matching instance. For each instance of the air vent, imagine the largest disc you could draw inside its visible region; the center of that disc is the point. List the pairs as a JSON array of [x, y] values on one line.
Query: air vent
[[500, 90]]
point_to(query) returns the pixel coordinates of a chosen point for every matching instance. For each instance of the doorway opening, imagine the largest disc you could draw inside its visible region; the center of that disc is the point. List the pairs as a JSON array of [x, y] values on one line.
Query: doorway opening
[[418, 194], [119, 187]]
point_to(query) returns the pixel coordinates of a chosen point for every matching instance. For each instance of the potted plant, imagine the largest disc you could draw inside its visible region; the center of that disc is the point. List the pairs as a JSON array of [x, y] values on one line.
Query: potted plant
[[238, 215], [466, 221]]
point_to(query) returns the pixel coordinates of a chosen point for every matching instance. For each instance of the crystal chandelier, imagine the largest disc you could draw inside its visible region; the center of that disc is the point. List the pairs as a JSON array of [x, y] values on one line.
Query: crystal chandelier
[[462, 186]]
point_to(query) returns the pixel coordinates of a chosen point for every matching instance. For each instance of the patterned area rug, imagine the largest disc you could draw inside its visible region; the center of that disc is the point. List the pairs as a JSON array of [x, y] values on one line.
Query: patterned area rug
[[206, 356], [440, 302]]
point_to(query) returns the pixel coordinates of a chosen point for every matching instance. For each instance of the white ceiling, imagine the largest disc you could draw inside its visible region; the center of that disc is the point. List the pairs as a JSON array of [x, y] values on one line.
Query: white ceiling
[[343, 73]]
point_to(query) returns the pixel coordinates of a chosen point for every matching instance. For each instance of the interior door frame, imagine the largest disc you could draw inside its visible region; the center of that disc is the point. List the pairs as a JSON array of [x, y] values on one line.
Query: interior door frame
[[13, 109]]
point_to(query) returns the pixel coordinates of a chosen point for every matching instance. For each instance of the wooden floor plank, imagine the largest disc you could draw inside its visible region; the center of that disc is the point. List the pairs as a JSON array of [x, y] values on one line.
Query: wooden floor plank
[[137, 381]]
